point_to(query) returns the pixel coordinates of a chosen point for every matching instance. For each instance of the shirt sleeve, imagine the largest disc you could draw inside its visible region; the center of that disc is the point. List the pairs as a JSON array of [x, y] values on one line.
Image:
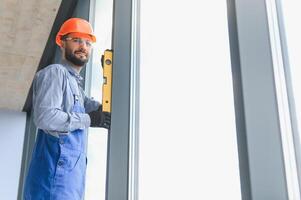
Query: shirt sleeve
[[48, 88]]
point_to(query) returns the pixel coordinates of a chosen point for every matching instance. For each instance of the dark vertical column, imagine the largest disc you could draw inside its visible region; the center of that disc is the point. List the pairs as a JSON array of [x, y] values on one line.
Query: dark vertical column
[[239, 105]]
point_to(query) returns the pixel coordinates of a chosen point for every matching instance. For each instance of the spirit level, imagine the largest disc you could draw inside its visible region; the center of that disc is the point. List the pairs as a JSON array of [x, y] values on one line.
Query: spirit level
[[106, 61]]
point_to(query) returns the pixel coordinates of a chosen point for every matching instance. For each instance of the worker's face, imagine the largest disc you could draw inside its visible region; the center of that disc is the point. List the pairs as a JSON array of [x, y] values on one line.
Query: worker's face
[[77, 50]]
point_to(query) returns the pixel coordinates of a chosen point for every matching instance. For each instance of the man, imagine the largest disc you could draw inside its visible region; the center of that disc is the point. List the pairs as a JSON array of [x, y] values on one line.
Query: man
[[58, 166]]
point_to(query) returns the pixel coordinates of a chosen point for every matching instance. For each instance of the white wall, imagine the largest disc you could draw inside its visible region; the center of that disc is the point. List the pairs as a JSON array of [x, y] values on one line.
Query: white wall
[[12, 132]]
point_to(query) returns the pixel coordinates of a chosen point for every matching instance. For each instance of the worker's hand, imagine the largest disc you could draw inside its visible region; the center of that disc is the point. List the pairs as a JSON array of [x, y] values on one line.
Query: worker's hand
[[100, 119]]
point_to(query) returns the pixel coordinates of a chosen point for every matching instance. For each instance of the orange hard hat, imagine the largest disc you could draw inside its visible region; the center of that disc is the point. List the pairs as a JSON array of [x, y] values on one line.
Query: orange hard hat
[[75, 25]]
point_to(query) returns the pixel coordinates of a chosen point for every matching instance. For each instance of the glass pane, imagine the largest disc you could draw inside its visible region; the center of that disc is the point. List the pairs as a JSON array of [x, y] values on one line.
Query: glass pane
[[97, 137], [188, 147], [291, 16]]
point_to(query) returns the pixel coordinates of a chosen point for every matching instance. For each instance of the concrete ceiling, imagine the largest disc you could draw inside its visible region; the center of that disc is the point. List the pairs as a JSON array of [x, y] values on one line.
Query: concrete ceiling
[[25, 26]]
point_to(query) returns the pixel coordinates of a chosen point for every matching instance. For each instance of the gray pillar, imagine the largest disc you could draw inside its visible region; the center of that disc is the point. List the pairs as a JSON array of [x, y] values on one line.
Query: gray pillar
[[263, 163], [118, 143]]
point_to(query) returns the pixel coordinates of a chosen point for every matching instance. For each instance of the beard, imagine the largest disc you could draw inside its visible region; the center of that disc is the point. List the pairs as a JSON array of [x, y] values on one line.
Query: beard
[[78, 61]]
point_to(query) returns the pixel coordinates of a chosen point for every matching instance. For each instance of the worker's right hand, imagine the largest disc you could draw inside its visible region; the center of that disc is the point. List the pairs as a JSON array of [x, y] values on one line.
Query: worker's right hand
[[100, 119]]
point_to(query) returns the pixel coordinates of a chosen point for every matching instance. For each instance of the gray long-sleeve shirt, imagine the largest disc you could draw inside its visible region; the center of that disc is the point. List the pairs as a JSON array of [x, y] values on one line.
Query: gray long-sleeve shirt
[[53, 100]]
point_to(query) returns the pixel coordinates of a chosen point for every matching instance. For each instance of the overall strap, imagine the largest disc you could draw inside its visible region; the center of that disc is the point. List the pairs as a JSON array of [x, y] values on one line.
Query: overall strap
[[74, 87]]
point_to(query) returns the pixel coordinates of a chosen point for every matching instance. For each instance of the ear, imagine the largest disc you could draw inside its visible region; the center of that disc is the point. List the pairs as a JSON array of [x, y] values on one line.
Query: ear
[[62, 52], [62, 44]]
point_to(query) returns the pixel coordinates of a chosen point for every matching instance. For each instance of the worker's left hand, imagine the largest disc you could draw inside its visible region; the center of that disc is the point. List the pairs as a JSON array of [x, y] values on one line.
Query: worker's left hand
[[100, 119]]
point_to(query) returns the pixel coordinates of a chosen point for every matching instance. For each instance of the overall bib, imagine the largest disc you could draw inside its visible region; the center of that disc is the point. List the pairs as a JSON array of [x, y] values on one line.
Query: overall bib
[[58, 166]]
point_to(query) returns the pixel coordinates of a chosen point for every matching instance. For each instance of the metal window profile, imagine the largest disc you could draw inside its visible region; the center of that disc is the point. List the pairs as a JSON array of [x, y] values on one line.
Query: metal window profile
[[134, 104], [257, 102], [244, 168], [119, 142], [289, 88], [283, 104]]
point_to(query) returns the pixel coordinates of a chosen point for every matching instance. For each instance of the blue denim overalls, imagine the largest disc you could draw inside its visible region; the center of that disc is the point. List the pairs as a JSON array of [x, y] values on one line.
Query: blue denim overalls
[[58, 166]]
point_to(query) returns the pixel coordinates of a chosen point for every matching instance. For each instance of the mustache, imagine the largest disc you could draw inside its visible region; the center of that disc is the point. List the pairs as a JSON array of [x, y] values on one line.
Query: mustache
[[81, 51]]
